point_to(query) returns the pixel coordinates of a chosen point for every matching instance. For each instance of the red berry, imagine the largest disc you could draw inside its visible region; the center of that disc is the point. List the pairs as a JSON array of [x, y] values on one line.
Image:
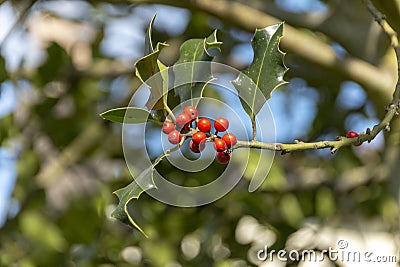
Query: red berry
[[221, 124], [223, 157], [174, 137], [230, 139], [197, 148], [182, 119], [168, 126], [191, 111], [352, 134], [219, 145], [204, 125], [198, 137]]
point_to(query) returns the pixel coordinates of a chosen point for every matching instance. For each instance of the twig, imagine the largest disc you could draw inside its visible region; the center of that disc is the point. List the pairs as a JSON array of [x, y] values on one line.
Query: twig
[[254, 126], [392, 109], [393, 36]]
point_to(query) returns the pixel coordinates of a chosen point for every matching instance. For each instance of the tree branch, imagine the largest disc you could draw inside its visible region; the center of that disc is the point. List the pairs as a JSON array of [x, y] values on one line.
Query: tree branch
[[393, 36], [312, 50]]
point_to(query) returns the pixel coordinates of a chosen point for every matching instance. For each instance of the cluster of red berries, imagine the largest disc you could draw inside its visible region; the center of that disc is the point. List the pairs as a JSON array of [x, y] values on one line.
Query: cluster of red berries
[[188, 124]]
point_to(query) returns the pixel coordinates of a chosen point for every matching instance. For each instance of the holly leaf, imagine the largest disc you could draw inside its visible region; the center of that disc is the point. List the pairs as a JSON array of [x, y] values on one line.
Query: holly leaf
[[148, 42], [132, 191], [265, 73], [148, 66], [129, 115], [190, 75]]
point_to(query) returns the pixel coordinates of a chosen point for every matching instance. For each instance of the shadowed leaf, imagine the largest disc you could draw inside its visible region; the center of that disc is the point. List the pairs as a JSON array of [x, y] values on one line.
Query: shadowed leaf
[[190, 77], [132, 191]]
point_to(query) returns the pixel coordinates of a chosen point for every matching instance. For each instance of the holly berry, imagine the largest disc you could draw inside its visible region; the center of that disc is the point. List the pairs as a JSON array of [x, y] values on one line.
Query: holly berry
[[191, 112], [198, 137], [197, 148], [204, 125], [221, 124], [182, 119], [174, 137], [168, 126], [351, 134], [219, 145], [223, 157], [230, 139]]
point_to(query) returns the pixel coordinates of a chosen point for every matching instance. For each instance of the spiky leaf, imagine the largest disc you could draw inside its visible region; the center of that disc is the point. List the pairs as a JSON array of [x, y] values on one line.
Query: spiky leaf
[[132, 191], [148, 42], [188, 75], [265, 72], [148, 66]]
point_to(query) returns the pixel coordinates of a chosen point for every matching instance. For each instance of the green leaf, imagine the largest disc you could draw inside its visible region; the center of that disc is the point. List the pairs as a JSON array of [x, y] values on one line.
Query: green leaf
[[132, 191], [148, 66], [188, 75], [148, 42], [128, 115], [265, 72]]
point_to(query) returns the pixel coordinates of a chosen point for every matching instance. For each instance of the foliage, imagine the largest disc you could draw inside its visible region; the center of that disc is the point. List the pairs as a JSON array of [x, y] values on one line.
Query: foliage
[[262, 77], [69, 160]]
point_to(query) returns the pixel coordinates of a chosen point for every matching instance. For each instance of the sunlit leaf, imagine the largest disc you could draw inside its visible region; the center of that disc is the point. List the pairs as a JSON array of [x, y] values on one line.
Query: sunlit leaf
[[265, 72], [128, 115]]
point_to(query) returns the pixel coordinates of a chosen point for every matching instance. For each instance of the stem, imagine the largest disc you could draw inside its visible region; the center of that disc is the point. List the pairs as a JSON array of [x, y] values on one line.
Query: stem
[[393, 36], [169, 151], [165, 103], [254, 126]]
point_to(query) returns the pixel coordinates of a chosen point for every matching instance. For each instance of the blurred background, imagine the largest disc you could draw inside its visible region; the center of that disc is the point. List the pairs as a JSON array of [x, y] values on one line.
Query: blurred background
[[64, 62]]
